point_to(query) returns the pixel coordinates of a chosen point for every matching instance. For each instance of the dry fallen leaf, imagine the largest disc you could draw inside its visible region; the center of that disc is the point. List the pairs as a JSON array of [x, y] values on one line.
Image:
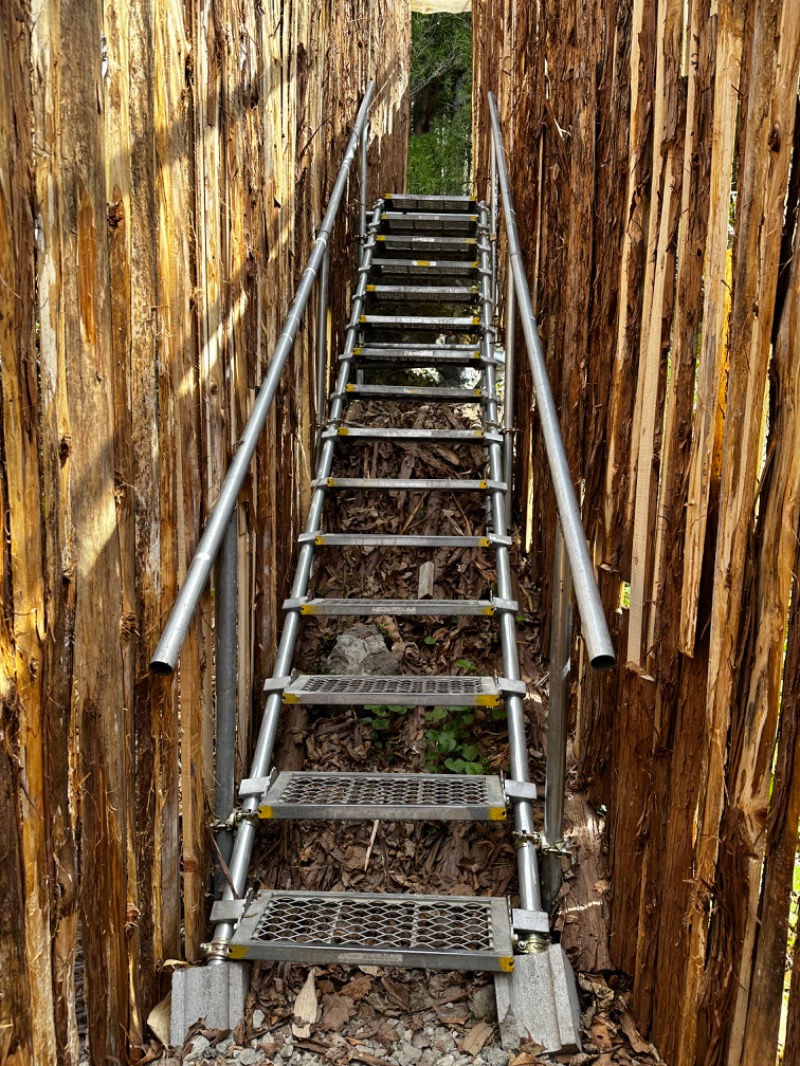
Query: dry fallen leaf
[[305, 1009], [159, 1019], [475, 1039], [336, 1011], [602, 1034], [638, 1043]]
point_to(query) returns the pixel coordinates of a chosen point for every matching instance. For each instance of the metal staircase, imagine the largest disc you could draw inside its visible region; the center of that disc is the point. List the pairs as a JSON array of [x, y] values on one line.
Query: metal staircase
[[426, 270]]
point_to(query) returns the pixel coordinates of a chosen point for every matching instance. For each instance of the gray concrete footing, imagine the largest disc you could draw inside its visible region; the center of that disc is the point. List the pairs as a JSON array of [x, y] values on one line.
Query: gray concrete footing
[[539, 1002], [215, 993]]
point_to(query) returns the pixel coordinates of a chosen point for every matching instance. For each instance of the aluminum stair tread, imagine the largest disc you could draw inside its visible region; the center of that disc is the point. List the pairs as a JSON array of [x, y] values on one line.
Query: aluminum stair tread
[[399, 434], [423, 267], [401, 540], [411, 484], [429, 222], [357, 606], [455, 394], [442, 293], [403, 690], [418, 243], [384, 796], [417, 358], [464, 324], [428, 201], [432, 932]]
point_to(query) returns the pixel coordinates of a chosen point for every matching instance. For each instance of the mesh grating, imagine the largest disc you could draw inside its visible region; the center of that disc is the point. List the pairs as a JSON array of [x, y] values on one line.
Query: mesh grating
[[380, 922], [443, 791], [379, 686]]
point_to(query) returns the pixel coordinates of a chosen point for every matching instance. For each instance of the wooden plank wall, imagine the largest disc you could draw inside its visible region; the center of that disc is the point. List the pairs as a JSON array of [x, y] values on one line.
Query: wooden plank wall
[[163, 168], [653, 153]]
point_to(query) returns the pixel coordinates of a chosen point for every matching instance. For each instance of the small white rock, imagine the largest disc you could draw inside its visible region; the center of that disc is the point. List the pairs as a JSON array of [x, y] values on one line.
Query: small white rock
[[258, 1018]]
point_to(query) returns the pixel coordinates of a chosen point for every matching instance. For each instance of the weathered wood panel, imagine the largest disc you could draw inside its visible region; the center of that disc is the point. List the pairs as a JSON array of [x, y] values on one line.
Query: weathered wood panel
[[688, 479], [158, 199]]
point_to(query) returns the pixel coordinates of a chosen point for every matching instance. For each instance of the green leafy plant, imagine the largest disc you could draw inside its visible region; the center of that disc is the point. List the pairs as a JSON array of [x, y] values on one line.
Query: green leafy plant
[[449, 737]]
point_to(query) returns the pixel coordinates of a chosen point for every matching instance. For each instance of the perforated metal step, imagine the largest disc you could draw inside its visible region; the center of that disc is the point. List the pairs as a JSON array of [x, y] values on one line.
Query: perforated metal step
[[345, 690], [416, 268], [423, 247], [429, 222], [441, 393], [417, 357], [458, 325], [426, 202], [400, 434], [363, 608], [446, 294], [410, 484], [398, 540], [431, 932], [389, 797]]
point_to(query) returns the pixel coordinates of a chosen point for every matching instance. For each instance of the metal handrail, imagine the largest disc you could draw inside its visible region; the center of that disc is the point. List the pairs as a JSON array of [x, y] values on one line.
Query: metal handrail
[[587, 594], [169, 646]]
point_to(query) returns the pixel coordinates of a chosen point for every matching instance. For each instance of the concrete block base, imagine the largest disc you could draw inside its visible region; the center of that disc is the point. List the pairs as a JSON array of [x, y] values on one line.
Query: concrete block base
[[539, 1002], [215, 993]]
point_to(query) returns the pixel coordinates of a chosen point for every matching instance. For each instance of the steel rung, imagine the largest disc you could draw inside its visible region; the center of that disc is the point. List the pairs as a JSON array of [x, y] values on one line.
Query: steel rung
[[329, 605], [443, 293], [399, 435], [432, 932], [388, 797], [354, 690], [462, 325], [414, 392], [397, 540], [413, 484]]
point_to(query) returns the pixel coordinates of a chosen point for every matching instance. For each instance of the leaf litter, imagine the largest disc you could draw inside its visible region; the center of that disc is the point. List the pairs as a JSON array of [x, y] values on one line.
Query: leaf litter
[[330, 1014]]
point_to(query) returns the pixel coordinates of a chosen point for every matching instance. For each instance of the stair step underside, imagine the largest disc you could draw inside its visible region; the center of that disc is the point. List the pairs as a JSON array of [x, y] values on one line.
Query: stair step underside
[[429, 202], [401, 540], [441, 293], [421, 246], [442, 393], [423, 267], [405, 690], [418, 357], [463, 324], [399, 434], [431, 932], [329, 605], [388, 797], [410, 484], [428, 222]]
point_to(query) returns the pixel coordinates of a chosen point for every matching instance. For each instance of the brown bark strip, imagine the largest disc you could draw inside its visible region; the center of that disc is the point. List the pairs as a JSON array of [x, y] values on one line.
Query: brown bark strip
[[23, 724], [668, 120], [707, 433], [97, 691], [771, 86], [760, 1041]]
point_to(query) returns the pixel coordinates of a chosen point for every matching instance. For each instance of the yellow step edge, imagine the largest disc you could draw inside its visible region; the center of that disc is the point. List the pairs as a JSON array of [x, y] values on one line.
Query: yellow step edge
[[496, 814]]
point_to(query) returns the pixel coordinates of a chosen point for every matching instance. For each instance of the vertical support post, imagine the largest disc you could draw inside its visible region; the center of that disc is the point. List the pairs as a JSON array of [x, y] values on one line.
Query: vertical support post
[[362, 229], [322, 338], [225, 628], [557, 715], [508, 390]]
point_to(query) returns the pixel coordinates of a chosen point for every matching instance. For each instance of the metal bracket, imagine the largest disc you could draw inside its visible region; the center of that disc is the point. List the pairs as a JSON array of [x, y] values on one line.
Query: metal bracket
[[277, 684], [528, 922], [512, 607], [228, 910], [507, 687], [295, 603], [520, 790], [256, 786], [233, 821], [499, 541]]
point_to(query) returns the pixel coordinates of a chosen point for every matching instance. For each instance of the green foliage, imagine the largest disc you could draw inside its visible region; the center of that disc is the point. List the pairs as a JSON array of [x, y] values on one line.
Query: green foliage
[[450, 745], [440, 146]]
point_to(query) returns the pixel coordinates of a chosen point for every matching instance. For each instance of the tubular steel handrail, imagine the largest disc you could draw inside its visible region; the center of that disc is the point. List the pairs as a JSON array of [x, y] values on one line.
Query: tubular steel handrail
[[587, 594], [169, 646]]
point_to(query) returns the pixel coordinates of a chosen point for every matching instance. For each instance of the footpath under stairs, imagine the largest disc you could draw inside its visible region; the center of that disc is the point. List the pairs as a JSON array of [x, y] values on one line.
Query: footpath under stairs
[[425, 273]]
